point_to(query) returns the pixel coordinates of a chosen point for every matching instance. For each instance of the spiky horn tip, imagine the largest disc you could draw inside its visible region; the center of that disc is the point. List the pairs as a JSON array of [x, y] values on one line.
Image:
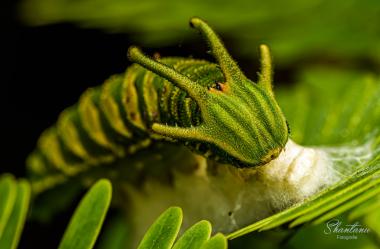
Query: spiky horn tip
[[133, 53], [266, 73], [227, 64], [186, 133]]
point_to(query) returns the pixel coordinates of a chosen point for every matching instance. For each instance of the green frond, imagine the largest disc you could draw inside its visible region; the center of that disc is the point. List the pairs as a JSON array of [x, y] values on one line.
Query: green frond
[[164, 231], [84, 226], [88, 218], [195, 236], [14, 204]]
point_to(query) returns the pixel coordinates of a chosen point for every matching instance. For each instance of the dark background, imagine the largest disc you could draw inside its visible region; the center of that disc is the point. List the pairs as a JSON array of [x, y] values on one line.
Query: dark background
[[44, 70]]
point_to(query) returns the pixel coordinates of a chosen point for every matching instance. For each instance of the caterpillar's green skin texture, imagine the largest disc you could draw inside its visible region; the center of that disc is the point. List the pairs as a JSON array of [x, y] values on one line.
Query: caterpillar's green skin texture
[[211, 108]]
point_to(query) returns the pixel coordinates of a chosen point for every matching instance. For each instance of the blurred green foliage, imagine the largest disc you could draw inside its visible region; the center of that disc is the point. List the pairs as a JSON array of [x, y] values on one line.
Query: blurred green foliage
[[331, 106], [14, 204], [295, 29], [87, 221], [163, 233], [84, 226]]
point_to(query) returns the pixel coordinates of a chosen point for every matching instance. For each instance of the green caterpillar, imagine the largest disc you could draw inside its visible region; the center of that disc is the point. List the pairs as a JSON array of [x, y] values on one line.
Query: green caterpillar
[[211, 108]]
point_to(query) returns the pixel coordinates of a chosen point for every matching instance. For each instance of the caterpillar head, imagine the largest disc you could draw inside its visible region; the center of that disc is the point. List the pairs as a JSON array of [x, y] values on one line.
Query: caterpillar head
[[241, 121]]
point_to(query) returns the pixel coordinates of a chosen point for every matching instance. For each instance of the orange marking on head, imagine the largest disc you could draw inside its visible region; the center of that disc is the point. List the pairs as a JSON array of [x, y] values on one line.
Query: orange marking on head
[[156, 56], [272, 154], [223, 88]]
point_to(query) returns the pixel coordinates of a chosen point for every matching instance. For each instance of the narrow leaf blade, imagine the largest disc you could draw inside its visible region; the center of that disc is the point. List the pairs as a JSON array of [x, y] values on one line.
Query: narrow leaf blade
[[7, 199], [195, 236], [12, 231], [88, 218], [219, 241], [164, 230]]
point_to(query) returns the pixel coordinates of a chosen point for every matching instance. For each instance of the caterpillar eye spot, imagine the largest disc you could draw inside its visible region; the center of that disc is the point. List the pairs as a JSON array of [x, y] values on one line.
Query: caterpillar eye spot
[[156, 56], [229, 213], [218, 86]]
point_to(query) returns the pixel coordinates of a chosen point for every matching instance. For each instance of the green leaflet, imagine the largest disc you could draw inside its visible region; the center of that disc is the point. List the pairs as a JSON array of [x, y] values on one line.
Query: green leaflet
[[14, 201], [85, 223], [195, 236], [7, 199], [163, 233], [88, 218], [84, 226], [218, 241]]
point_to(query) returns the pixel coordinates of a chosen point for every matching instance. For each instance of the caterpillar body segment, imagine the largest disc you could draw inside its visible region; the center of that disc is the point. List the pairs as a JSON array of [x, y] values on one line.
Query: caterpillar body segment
[[211, 108], [114, 120]]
